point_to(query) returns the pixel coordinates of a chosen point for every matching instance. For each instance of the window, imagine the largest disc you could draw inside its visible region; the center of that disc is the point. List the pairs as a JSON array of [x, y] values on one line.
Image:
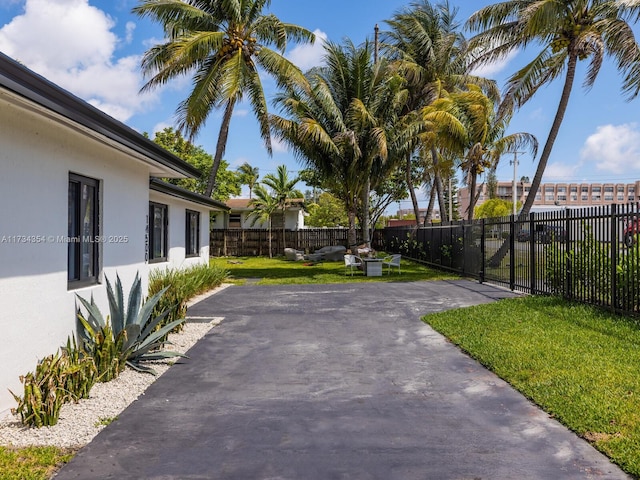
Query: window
[[83, 232], [192, 235], [158, 223], [235, 220]]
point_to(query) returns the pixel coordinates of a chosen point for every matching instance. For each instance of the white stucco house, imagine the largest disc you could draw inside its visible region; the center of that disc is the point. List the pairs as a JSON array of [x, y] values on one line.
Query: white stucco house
[[239, 216], [79, 201]]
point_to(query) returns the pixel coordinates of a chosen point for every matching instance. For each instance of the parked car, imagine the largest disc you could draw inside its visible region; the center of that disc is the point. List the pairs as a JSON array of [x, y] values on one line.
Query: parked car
[[631, 231], [543, 233]]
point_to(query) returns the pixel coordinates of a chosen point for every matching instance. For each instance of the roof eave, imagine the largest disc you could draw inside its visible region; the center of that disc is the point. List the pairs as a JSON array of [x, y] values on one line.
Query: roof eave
[[31, 86]]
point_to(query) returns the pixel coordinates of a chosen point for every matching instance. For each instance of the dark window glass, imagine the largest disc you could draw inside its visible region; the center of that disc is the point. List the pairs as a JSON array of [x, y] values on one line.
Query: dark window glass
[[83, 231], [192, 236], [158, 219]]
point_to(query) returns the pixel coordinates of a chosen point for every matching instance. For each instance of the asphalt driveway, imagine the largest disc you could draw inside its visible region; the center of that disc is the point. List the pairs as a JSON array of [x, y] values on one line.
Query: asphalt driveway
[[320, 382]]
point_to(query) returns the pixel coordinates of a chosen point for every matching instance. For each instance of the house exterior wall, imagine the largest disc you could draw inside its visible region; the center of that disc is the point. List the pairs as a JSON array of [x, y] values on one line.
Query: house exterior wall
[[294, 220], [176, 235], [38, 310]]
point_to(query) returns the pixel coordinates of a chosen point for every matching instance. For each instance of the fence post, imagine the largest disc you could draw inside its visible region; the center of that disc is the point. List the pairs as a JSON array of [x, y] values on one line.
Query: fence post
[[483, 249], [532, 252], [512, 254], [568, 286], [615, 246]]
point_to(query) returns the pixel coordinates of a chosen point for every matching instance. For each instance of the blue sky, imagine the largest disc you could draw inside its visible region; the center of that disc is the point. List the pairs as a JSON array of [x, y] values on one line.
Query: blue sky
[[93, 49]]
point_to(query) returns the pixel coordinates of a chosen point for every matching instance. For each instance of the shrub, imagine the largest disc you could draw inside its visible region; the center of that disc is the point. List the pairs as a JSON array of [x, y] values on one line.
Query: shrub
[[66, 376], [129, 335], [82, 373], [182, 285]]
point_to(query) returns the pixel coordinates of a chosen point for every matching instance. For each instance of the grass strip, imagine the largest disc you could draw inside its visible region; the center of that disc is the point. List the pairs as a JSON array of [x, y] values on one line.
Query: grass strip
[[31, 463], [578, 363]]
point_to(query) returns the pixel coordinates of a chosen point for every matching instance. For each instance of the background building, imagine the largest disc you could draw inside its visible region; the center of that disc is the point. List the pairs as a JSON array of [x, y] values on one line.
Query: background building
[[553, 195]]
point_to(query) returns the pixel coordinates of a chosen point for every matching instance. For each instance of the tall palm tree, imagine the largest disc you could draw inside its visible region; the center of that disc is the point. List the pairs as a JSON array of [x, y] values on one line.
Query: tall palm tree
[[264, 206], [339, 122], [482, 138], [567, 31], [426, 41], [223, 44], [249, 176], [283, 189]]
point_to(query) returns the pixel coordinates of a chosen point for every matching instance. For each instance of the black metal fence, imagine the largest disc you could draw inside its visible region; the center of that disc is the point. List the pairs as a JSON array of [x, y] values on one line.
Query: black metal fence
[[589, 255]]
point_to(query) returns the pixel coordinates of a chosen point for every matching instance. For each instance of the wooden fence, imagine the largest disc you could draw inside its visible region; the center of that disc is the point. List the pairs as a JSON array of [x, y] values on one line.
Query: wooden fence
[[248, 243]]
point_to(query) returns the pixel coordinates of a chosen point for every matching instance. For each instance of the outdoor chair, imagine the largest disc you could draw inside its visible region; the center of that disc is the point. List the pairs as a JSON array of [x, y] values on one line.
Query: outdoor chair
[[351, 261], [392, 261]]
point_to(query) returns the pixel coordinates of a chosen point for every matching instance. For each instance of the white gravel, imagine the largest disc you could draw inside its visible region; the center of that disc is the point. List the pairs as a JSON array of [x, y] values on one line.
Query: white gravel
[[80, 422]]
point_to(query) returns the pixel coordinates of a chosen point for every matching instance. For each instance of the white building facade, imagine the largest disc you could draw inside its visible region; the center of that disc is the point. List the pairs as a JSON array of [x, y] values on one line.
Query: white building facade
[[77, 191]]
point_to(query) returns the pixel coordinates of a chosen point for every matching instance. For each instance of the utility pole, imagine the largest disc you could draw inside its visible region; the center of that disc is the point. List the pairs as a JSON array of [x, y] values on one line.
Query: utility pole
[[375, 43], [514, 162]]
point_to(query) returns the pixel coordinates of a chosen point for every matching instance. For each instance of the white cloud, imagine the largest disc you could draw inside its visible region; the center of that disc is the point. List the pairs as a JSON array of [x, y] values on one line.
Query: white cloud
[[74, 48], [490, 70], [560, 172], [279, 146], [614, 148], [130, 28], [159, 127], [306, 56]]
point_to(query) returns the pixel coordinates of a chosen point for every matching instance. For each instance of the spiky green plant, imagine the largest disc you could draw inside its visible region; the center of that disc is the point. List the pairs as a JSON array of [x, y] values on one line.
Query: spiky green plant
[[44, 392], [129, 334], [82, 373]]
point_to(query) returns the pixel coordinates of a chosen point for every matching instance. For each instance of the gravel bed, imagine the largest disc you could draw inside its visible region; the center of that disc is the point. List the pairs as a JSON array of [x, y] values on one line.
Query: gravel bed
[[80, 422]]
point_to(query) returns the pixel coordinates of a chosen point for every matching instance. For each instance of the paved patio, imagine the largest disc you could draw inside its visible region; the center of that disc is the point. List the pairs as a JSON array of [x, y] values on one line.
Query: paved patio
[[322, 382]]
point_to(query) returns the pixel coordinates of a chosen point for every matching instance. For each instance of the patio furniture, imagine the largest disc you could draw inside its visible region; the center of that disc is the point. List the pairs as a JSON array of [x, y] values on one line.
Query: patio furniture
[[372, 266], [293, 255], [351, 261], [392, 261], [332, 253]]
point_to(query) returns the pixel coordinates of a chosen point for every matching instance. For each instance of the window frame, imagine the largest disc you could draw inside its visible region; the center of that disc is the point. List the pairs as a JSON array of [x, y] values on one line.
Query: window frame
[[165, 232], [77, 240], [188, 240]]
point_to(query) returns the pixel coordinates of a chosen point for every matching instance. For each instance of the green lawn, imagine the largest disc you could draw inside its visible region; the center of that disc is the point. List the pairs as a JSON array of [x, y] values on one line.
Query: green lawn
[[278, 271], [33, 463], [580, 364]]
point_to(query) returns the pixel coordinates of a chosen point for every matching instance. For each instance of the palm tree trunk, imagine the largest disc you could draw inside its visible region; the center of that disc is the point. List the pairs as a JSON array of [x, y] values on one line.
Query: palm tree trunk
[[365, 213], [220, 147], [414, 198], [351, 234], [544, 158], [437, 181], [472, 195], [432, 201]]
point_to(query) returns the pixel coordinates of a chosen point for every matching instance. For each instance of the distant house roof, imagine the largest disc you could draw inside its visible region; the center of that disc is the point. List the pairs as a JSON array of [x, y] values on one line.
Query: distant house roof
[[28, 85], [179, 192], [243, 203]]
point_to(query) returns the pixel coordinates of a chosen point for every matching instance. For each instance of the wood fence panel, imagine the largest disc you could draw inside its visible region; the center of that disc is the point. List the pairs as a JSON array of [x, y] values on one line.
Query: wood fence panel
[[255, 242]]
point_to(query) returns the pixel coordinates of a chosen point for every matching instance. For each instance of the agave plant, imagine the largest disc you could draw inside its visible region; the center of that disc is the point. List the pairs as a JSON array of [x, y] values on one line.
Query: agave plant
[[129, 335]]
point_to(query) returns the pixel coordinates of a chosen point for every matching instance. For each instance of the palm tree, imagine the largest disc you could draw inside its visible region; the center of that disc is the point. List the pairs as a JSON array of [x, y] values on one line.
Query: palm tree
[[223, 44], [283, 190], [339, 122], [264, 206], [248, 176], [480, 134], [567, 31], [430, 50]]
